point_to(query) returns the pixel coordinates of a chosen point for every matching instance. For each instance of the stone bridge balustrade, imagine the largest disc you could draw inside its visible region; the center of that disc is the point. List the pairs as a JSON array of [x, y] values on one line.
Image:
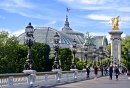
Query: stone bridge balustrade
[[23, 80]]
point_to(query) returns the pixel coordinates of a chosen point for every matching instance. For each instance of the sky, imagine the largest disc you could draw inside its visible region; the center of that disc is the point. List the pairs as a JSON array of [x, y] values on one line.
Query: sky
[[84, 16]]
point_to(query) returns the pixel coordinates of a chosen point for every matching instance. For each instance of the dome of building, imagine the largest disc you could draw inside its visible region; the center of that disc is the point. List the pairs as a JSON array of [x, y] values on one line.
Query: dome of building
[[67, 35], [46, 35]]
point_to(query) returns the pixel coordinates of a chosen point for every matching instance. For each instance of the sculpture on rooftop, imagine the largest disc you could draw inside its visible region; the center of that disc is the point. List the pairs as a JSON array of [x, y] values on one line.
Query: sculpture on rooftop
[[89, 39], [115, 23]]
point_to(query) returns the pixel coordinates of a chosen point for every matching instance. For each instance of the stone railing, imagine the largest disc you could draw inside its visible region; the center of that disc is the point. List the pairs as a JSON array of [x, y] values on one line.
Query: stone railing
[[23, 80]]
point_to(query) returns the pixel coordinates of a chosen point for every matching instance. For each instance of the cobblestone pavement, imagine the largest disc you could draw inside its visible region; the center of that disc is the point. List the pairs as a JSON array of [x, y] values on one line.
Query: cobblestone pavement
[[102, 82]]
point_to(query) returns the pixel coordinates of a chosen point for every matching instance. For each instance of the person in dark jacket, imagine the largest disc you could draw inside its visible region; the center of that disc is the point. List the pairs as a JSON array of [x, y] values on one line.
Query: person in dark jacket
[[116, 72], [110, 72], [88, 70]]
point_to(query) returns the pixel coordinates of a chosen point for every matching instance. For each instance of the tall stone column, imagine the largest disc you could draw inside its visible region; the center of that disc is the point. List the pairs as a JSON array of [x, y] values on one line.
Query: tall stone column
[[116, 40], [116, 46]]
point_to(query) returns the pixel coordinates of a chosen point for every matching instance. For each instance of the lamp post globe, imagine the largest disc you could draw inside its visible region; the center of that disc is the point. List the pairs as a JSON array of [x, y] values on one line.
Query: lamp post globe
[[56, 47], [74, 44], [29, 41]]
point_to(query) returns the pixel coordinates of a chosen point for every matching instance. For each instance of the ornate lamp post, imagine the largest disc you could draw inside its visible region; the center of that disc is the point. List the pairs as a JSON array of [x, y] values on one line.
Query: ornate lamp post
[[85, 47], [101, 57], [108, 56], [94, 54], [56, 47], [74, 44], [29, 41], [101, 54]]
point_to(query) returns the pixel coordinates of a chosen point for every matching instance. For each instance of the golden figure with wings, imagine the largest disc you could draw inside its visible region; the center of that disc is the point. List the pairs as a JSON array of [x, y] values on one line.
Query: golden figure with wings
[[115, 23]]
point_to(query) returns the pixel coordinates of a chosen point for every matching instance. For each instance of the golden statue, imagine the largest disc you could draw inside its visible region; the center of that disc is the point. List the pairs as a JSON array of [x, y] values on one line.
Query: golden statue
[[115, 23]]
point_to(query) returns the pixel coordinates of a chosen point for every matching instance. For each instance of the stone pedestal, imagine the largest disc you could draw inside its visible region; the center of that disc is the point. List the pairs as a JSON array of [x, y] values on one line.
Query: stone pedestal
[[58, 74], [116, 46], [31, 77], [75, 73]]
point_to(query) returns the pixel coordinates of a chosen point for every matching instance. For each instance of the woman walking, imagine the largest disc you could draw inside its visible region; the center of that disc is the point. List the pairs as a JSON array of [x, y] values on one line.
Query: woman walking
[[95, 71]]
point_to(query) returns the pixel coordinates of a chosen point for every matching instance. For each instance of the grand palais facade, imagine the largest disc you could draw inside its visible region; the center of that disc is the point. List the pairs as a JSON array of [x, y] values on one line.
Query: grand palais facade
[[46, 35]]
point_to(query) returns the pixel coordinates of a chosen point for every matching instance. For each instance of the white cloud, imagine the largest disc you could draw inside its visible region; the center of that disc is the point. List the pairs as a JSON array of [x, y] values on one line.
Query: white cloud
[[50, 23], [125, 19], [95, 8], [124, 9], [112, 5], [21, 7], [24, 8], [18, 32], [17, 4], [92, 1], [98, 17], [85, 1]]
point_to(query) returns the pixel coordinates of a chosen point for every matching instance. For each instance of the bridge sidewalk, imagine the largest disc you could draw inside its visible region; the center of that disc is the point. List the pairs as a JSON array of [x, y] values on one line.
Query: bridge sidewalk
[[102, 82]]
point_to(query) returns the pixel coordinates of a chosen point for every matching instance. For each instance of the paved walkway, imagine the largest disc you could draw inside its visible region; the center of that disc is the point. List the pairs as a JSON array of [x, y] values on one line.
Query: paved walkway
[[102, 82]]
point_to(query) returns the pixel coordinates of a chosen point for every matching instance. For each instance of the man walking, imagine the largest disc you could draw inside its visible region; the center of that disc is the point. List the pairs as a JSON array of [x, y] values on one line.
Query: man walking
[[110, 72], [116, 72], [87, 70]]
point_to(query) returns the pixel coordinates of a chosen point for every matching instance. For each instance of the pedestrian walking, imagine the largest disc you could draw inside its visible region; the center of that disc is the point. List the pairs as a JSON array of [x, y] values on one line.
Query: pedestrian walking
[[95, 71], [101, 68], [116, 72], [106, 71], [110, 72], [88, 70]]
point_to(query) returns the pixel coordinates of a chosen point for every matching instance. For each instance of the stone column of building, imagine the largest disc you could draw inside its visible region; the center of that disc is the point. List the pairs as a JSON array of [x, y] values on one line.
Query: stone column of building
[[116, 46]]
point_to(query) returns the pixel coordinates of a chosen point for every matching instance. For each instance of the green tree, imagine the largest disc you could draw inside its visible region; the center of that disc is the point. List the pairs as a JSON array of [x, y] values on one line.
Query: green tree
[[125, 48], [42, 63], [65, 56], [80, 65], [109, 48], [8, 52], [21, 57]]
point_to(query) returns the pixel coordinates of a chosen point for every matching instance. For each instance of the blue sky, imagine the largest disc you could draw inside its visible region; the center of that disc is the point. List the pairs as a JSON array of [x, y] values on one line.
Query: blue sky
[[85, 15]]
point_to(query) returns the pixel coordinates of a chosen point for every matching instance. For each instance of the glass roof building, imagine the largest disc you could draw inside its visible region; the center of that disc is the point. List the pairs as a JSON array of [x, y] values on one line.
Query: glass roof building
[[46, 34]]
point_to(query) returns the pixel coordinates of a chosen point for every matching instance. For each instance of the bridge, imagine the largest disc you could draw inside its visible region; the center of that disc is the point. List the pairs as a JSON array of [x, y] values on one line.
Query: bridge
[[62, 79], [102, 82]]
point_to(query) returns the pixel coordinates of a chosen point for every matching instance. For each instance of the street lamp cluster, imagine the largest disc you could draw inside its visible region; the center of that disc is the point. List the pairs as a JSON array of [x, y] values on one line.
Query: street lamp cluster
[[29, 41], [74, 44], [56, 47], [94, 54], [85, 47]]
